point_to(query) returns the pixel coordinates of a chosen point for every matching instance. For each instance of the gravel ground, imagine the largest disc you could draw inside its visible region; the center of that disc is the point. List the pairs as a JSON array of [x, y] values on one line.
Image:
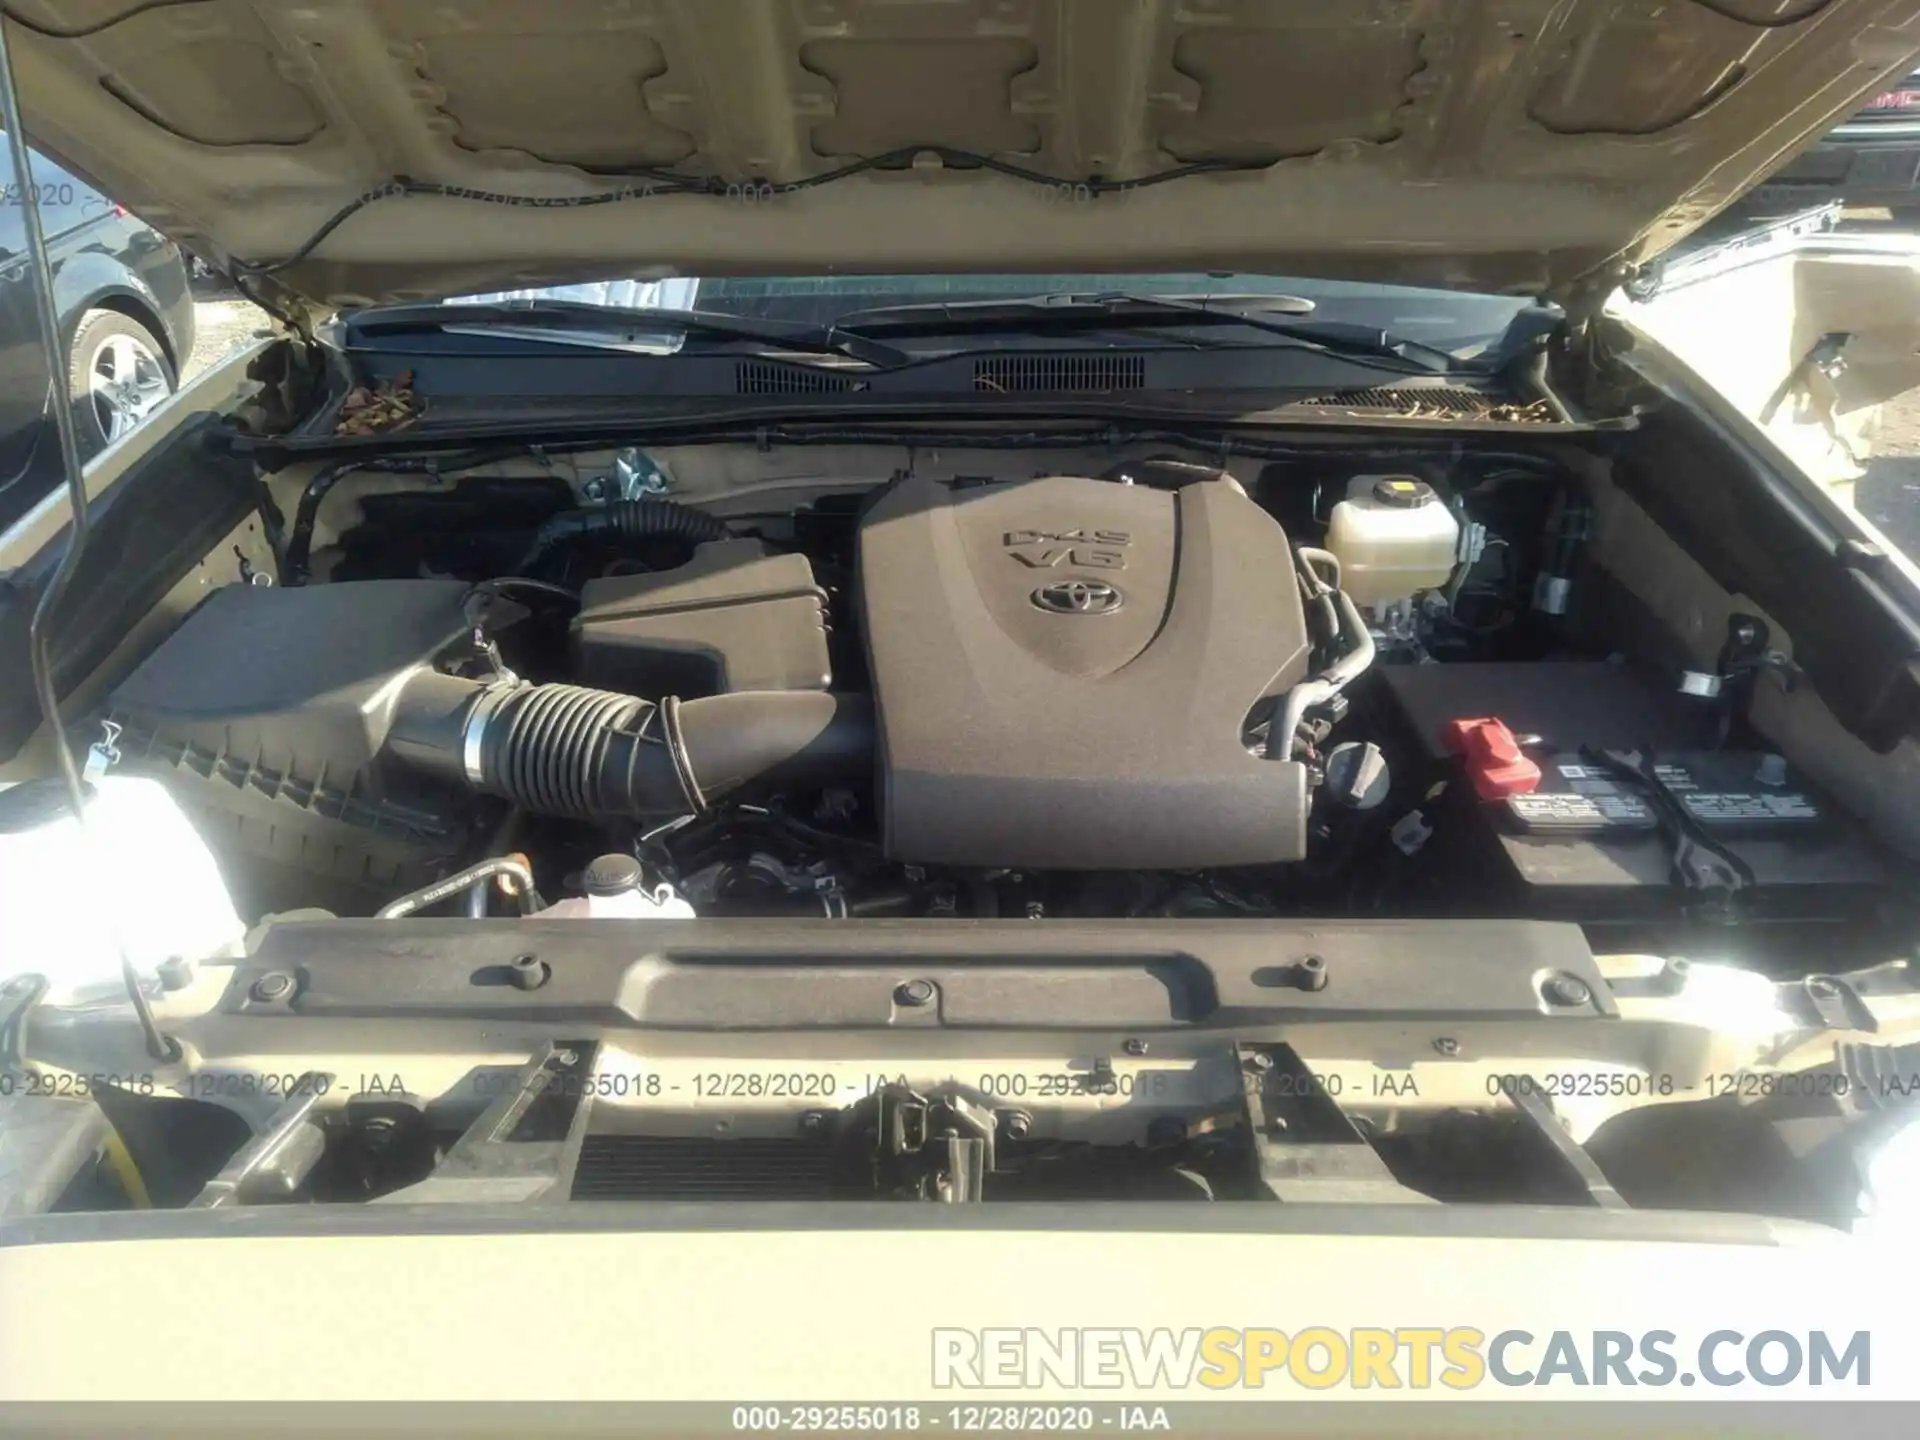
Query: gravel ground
[[220, 326], [1889, 493]]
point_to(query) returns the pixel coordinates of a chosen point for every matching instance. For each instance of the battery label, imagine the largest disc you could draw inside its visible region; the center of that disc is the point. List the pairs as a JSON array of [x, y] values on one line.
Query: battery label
[[1712, 808], [1579, 799], [1598, 806], [1717, 789]]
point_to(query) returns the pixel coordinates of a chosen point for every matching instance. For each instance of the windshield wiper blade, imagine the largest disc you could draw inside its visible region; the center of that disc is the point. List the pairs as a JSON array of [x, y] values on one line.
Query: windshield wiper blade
[[1075, 303], [1250, 311], [598, 320]]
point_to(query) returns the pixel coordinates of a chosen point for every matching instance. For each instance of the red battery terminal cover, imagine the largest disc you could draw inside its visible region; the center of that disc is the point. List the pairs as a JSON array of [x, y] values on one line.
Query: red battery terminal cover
[[1493, 757]]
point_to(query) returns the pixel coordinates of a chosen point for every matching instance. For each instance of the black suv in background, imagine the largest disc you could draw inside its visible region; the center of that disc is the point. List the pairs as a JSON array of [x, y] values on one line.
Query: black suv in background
[[1871, 159], [125, 308]]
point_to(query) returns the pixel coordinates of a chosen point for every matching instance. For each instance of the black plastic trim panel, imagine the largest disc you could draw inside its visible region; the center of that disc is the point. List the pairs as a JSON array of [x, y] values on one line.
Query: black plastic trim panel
[[152, 526], [782, 975]]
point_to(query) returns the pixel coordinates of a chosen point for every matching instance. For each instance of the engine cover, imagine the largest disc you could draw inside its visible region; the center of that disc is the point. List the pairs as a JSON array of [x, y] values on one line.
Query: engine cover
[[1064, 668]]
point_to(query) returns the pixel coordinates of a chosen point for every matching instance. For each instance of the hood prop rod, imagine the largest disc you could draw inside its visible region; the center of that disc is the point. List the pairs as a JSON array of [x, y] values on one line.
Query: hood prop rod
[[160, 1047]]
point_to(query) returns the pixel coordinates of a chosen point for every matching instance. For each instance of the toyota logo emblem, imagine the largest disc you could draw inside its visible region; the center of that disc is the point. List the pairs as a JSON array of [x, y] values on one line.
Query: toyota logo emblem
[[1077, 597]]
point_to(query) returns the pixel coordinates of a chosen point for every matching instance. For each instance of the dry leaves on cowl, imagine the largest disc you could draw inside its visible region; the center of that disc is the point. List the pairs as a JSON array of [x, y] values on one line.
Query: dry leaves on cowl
[[375, 412]]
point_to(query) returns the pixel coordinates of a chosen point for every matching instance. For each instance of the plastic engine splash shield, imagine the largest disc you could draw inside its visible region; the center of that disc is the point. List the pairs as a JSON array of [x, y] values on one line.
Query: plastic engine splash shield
[[1064, 667]]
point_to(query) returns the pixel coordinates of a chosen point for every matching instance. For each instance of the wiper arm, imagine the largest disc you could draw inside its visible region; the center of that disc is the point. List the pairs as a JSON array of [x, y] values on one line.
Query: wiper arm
[[598, 320], [1253, 311], [1075, 304]]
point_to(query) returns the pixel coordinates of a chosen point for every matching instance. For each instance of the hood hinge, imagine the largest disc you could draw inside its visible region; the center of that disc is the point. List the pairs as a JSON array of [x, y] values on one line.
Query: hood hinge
[[288, 308], [1587, 299], [1588, 296], [292, 375]]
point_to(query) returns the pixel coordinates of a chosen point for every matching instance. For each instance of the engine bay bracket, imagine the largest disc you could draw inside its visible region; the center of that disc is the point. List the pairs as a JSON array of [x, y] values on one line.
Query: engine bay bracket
[[1309, 1149], [525, 1146]]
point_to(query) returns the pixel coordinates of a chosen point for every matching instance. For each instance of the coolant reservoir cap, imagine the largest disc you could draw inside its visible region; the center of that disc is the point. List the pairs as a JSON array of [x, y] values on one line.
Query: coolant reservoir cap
[[613, 874], [1402, 492]]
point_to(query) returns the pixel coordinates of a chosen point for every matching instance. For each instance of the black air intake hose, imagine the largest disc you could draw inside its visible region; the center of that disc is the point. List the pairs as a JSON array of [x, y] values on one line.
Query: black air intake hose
[[624, 520], [592, 754]]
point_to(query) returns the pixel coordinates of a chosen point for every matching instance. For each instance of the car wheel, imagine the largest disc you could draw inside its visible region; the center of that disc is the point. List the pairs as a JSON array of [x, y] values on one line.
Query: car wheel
[[119, 375]]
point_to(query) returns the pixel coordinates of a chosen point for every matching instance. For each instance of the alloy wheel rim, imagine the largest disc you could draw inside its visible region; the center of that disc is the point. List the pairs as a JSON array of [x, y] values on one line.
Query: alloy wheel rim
[[126, 382]]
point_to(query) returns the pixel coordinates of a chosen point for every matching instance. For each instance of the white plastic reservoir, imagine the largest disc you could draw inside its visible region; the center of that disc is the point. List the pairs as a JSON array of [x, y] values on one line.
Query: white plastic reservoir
[[656, 904], [144, 871], [1394, 537], [617, 890]]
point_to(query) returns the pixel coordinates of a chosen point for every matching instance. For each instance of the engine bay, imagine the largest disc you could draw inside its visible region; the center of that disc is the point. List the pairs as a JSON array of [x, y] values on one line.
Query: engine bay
[[1334, 687], [1382, 851]]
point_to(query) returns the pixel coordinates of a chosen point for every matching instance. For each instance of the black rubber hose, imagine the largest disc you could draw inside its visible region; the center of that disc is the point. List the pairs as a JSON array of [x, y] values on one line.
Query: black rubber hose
[[296, 561], [624, 520], [801, 739], [565, 750]]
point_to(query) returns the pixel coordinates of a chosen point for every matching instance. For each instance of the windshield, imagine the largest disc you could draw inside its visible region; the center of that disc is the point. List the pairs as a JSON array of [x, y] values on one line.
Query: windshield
[[1460, 323]]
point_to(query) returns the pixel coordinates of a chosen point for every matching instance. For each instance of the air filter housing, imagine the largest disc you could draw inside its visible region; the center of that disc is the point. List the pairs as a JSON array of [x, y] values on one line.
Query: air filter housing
[[265, 714]]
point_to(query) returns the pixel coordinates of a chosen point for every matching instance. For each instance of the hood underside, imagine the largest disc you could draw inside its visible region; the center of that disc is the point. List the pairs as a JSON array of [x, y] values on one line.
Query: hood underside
[[1525, 145]]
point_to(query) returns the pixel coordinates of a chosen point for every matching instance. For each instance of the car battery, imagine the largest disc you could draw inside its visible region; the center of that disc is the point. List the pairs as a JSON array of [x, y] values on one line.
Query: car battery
[[1589, 792]]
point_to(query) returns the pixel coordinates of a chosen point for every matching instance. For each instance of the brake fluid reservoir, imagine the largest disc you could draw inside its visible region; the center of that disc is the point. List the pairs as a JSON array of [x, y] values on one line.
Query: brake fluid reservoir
[[1394, 538]]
